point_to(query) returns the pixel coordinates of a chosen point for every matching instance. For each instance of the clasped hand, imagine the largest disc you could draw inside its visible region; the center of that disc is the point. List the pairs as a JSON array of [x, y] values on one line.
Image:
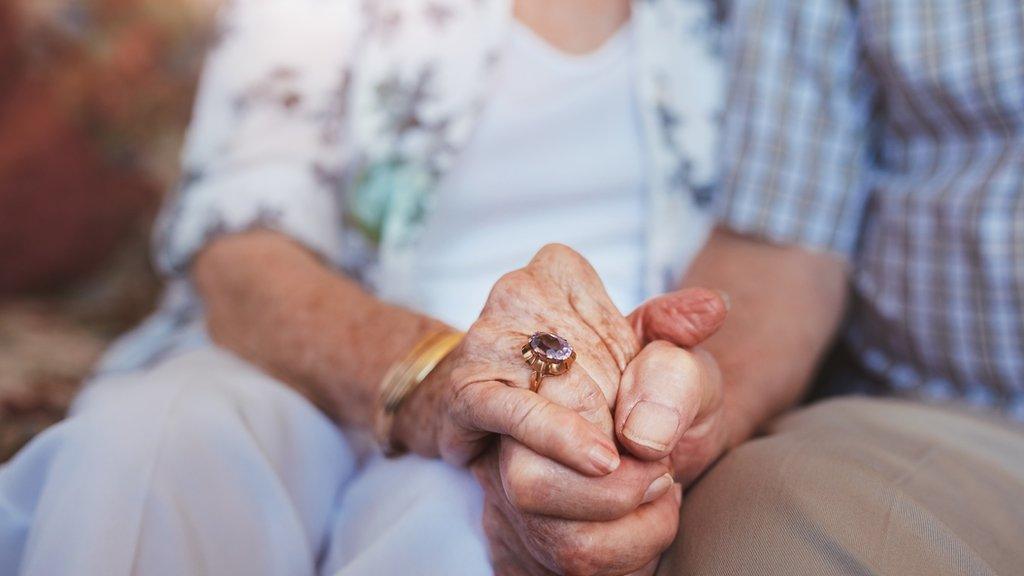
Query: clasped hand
[[585, 476]]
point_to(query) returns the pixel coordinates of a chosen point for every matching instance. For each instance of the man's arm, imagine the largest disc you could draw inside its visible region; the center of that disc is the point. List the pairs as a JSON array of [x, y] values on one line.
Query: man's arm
[[786, 304], [796, 145]]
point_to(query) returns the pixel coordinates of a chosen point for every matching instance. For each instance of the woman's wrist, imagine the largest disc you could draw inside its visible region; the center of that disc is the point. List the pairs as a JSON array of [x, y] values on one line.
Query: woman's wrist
[[417, 422]]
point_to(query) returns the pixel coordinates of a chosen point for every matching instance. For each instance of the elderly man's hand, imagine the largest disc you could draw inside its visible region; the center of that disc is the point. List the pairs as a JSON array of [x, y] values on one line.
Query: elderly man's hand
[[670, 397]]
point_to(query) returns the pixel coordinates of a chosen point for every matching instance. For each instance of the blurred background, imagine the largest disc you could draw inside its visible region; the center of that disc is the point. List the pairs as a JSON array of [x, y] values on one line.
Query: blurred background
[[94, 99]]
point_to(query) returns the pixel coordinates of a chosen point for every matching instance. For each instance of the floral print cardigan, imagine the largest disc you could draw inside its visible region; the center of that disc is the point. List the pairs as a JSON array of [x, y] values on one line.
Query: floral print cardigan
[[332, 121]]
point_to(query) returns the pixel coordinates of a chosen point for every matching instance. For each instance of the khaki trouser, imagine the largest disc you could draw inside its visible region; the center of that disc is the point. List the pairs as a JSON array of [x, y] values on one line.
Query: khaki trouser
[[861, 486]]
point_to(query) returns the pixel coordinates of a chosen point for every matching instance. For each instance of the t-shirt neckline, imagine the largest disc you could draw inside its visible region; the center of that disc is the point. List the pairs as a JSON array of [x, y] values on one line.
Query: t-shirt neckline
[[612, 48]]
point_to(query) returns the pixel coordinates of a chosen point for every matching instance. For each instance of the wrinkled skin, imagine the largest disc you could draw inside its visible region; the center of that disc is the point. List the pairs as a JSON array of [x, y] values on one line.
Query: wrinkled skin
[[542, 518], [551, 507], [524, 542], [482, 387]]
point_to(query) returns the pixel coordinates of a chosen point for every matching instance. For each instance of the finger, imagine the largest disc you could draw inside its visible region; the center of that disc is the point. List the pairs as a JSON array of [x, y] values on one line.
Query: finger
[[547, 428], [593, 305], [537, 485], [620, 546], [487, 470], [589, 302], [607, 332], [594, 360], [509, 554], [662, 392], [685, 318], [577, 391]]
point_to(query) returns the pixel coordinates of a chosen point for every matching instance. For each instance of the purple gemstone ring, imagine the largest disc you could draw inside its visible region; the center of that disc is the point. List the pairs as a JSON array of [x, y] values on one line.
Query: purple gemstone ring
[[547, 354]]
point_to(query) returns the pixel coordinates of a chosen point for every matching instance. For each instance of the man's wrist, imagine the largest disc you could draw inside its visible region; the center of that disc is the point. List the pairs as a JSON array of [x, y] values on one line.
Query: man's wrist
[[739, 424]]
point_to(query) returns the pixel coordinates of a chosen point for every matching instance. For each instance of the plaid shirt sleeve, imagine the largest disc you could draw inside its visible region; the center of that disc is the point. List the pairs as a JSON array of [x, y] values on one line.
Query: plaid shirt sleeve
[[797, 123]]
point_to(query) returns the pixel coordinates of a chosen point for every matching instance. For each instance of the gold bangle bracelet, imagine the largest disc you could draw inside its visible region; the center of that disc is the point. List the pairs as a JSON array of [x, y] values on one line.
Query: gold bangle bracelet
[[403, 377]]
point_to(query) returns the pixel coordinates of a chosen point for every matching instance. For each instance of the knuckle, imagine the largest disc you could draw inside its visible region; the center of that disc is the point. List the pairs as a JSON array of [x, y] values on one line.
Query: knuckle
[[560, 256], [569, 431], [707, 366], [689, 368], [477, 336], [684, 358], [452, 445], [664, 355], [524, 483], [669, 371], [668, 538], [460, 401], [564, 420], [492, 524], [468, 401], [576, 431], [557, 251], [576, 553], [527, 417], [591, 397], [508, 282], [622, 502], [564, 558]]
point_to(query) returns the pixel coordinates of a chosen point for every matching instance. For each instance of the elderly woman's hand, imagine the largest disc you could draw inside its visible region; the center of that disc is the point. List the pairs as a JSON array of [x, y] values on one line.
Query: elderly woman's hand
[[482, 387], [541, 518], [544, 518], [559, 497]]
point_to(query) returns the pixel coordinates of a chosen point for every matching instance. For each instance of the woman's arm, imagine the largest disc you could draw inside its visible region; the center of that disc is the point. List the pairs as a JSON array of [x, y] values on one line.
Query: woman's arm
[[267, 128], [275, 304]]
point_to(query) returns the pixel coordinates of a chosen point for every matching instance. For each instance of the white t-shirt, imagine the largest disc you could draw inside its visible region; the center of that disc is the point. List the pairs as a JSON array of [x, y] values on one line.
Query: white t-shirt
[[556, 157]]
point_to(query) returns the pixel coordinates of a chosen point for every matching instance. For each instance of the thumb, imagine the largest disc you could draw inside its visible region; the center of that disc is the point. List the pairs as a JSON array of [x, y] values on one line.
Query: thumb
[[662, 392], [685, 317]]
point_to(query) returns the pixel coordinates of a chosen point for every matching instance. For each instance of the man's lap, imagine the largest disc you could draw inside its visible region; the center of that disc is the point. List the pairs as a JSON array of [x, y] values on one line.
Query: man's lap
[[858, 486]]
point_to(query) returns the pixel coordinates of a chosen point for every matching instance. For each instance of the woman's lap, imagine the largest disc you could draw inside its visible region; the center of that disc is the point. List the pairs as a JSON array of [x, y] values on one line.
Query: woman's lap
[[409, 516], [204, 464]]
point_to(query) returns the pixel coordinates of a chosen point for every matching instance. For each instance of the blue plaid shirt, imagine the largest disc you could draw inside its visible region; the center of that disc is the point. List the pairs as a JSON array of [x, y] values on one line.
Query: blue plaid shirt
[[892, 132]]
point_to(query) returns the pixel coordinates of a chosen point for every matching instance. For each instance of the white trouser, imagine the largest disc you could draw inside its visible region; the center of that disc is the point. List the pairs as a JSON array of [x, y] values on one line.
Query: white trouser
[[204, 465]]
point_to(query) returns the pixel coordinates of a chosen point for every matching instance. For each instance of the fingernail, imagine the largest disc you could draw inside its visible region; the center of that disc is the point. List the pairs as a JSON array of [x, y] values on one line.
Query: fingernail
[[605, 459], [651, 425], [725, 298], [677, 492], [658, 488]]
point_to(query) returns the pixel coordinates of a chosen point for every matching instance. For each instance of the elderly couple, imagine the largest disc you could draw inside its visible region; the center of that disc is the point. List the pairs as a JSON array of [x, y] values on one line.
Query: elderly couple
[[652, 220]]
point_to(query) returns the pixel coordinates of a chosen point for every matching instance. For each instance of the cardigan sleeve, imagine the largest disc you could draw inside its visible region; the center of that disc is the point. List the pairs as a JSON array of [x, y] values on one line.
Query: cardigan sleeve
[[264, 146]]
